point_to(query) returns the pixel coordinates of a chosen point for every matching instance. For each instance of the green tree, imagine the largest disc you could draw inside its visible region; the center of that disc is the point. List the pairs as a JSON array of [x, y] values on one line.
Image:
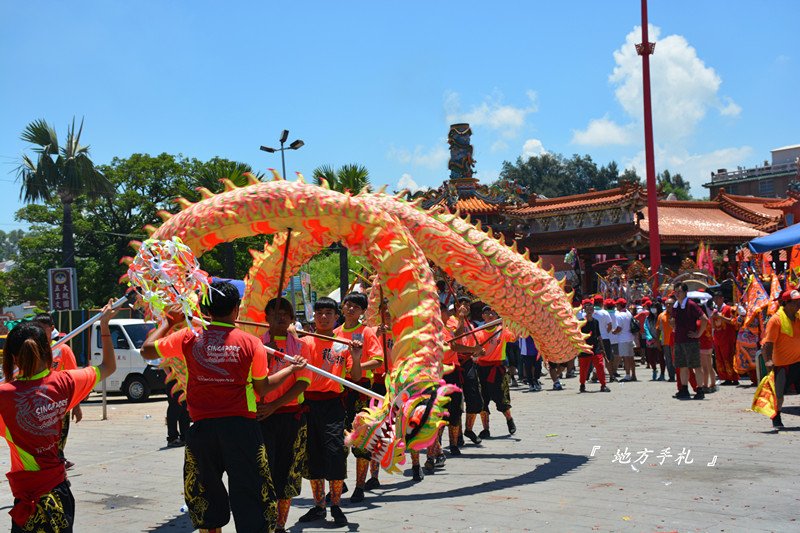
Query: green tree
[[669, 183], [64, 172], [347, 178], [9, 243], [352, 179], [230, 259]]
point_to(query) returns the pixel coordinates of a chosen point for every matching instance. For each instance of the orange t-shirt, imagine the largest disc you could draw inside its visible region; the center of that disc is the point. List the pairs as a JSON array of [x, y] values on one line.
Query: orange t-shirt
[[496, 347], [450, 355], [332, 357], [275, 365], [221, 363], [372, 349], [64, 358], [786, 348], [667, 336]]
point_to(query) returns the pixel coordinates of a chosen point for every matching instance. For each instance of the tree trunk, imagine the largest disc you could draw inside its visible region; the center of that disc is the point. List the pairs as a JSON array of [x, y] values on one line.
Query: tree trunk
[[67, 238], [228, 260]]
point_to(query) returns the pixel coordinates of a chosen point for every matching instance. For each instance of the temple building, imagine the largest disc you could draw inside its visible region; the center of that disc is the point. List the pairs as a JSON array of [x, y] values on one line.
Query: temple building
[[611, 226]]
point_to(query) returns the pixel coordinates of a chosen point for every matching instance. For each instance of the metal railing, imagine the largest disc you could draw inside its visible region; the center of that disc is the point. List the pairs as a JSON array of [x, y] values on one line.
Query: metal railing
[[745, 173]]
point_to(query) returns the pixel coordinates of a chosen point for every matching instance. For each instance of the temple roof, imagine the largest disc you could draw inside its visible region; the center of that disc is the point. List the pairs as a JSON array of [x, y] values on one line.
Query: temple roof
[[467, 197], [759, 211], [624, 195], [688, 221]]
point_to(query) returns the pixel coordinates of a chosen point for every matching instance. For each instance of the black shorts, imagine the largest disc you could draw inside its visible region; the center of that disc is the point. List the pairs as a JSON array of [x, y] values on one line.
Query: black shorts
[[231, 445], [785, 377], [454, 407], [326, 456], [472, 388], [285, 438], [494, 387], [55, 512]]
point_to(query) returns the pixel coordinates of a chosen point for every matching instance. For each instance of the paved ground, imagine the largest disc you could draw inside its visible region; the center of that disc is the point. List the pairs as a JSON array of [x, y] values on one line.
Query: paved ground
[[558, 473]]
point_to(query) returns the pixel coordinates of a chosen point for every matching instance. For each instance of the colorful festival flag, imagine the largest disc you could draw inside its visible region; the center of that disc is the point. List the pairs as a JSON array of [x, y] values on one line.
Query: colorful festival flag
[[774, 295], [794, 259], [765, 262], [755, 299], [765, 400]]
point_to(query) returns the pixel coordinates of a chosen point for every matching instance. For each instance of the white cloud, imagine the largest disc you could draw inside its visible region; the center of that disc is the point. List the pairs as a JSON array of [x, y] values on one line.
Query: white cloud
[[729, 108], [407, 182], [499, 146], [683, 92], [603, 132], [532, 148], [491, 113], [695, 168], [434, 158]]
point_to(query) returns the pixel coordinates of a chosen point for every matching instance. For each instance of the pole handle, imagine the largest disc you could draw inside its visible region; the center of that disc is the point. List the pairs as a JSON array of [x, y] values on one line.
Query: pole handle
[[325, 373]]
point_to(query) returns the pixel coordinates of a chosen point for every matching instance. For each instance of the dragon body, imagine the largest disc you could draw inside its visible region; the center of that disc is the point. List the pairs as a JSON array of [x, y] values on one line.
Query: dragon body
[[397, 238]]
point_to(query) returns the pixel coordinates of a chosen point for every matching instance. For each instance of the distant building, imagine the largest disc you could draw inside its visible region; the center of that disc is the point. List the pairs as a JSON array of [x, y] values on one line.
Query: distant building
[[768, 181]]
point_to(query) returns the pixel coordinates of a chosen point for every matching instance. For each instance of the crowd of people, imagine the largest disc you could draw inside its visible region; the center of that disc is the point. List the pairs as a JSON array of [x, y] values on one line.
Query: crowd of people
[[267, 421]]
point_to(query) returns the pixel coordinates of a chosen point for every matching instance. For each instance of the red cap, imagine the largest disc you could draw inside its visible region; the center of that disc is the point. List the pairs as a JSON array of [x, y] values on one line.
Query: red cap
[[598, 298], [587, 301], [621, 301], [608, 301], [788, 296]]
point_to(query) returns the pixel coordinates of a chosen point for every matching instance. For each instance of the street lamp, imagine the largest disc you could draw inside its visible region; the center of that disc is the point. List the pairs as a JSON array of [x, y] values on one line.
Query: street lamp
[[297, 143], [293, 146]]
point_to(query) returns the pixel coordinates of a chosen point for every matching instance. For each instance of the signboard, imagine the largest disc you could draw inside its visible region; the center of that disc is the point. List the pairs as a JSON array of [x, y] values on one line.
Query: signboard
[[62, 287]]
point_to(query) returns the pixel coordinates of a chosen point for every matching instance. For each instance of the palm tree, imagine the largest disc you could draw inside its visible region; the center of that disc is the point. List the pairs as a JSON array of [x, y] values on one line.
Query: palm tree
[[348, 178], [351, 179], [64, 172], [209, 176]]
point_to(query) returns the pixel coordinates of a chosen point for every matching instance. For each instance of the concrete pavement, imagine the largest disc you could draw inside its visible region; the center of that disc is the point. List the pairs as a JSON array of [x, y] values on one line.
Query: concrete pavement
[[579, 462]]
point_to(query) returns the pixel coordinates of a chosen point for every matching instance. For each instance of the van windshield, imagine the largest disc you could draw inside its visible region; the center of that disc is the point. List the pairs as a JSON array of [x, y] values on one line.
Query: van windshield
[[138, 333]]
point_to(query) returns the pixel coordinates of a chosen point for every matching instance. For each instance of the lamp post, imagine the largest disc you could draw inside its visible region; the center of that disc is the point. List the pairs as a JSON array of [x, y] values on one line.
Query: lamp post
[[294, 145]]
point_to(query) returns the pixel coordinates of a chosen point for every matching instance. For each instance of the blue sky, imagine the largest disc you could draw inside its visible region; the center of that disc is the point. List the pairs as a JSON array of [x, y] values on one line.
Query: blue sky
[[378, 83]]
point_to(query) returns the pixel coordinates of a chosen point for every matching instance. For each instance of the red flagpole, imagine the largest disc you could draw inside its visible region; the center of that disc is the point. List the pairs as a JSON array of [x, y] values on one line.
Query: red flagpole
[[645, 49]]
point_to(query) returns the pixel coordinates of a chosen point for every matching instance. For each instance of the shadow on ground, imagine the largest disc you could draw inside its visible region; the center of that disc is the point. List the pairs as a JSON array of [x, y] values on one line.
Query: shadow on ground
[[179, 524], [558, 464]]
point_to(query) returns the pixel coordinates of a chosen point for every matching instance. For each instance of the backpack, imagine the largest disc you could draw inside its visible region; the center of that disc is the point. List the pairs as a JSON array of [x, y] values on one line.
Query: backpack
[[635, 328]]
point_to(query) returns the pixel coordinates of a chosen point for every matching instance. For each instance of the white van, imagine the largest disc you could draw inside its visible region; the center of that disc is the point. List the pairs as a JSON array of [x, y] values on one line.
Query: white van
[[135, 377]]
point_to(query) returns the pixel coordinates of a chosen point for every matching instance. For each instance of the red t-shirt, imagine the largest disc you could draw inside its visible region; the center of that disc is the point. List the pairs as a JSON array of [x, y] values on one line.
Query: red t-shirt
[[706, 339], [372, 346], [724, 332], [686, 321], [64, 358], [221, 363], [333, 357], [31, 411], [298, 347], [496, 347]]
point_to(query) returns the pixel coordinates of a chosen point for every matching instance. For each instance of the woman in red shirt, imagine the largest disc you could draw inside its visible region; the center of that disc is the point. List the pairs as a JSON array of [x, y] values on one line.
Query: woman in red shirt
[[33, 402], [706, 352]]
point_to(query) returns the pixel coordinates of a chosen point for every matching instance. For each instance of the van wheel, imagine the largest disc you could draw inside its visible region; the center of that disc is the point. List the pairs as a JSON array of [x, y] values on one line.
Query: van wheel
[[136, 388]]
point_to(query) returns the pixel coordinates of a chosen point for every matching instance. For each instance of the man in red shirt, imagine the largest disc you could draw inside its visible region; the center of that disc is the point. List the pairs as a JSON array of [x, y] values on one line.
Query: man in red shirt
[[63, 359], [226, 369], [689, 323], [492, 372]]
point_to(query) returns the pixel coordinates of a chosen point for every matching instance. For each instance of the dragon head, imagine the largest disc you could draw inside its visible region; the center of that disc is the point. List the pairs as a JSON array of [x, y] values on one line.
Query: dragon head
[[408, 418]]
